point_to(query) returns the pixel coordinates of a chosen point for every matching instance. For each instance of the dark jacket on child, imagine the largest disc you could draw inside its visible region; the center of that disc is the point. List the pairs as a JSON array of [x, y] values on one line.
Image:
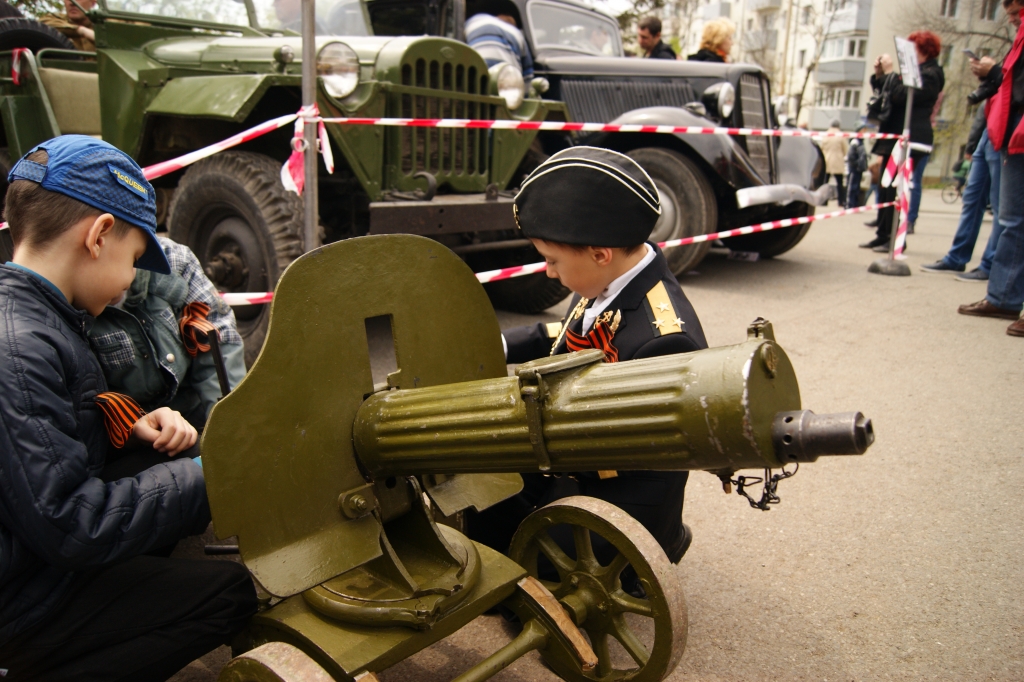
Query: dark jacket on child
[[656, 319], [58, 521]]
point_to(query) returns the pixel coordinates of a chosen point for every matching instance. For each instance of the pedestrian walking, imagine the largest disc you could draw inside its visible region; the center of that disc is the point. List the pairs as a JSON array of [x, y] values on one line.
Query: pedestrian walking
[[835, 150]]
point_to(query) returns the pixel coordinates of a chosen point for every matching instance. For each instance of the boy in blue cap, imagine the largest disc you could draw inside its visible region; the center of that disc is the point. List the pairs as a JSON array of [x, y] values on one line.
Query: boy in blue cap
[[81, 596]]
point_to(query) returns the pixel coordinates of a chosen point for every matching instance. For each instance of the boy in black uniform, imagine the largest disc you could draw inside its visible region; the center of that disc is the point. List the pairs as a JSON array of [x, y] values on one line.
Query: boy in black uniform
[[589, 212]]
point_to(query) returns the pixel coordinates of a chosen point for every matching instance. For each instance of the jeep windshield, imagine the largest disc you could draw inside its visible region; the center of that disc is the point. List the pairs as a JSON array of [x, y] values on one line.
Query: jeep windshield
[[333, 17], [566, 28]]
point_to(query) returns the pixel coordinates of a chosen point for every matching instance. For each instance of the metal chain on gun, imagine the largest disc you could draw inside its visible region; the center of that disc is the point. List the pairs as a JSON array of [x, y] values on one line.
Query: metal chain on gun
[[769, 494]]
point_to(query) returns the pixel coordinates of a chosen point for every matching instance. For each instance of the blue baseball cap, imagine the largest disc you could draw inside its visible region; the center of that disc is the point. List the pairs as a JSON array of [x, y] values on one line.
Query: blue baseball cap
[[102, 176]]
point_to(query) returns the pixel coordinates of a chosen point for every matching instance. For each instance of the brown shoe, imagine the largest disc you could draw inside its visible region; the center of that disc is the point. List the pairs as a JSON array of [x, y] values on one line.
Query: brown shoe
[[985, 309], [1017, 328]]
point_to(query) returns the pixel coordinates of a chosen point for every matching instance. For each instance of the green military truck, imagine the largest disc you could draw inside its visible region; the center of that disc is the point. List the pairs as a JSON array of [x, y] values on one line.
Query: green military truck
[[168, 78]]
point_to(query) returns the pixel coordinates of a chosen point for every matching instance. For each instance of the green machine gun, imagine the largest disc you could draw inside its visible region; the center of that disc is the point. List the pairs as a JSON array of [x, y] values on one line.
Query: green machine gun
[[331, 482]]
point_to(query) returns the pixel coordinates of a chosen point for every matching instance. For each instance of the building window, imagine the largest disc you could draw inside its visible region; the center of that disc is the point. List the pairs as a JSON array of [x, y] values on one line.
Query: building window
[[750, 24], [803, 57], [851, 48], [947, 52], [989, 8], [808, 12], [862, 48], [949, 7]]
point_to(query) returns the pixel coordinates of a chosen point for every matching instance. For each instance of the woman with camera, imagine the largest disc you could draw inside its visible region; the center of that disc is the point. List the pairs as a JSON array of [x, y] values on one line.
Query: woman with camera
[[888, 107]]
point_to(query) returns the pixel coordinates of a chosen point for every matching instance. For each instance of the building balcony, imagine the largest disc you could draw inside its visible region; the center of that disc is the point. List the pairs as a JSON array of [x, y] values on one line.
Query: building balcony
[[765, 5], [840, 71], [716, 10], [854, 17]]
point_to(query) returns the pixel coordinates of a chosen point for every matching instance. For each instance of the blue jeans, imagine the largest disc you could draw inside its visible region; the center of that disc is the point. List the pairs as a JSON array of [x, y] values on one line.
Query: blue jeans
[[982, 188], [915, 191], [1006, 279]]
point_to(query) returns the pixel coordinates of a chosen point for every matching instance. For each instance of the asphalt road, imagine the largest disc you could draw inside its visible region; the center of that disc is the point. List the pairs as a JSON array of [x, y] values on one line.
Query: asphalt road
[[904, 563]]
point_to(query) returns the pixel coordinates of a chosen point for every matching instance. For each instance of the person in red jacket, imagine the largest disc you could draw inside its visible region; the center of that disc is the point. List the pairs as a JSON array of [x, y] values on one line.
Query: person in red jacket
[[1005, 111]]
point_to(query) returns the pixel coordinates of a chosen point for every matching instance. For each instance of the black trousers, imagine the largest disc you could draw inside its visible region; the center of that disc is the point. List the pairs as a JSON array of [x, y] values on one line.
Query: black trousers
[[140, 620], [654, 498], [137, 621], [841, 194]]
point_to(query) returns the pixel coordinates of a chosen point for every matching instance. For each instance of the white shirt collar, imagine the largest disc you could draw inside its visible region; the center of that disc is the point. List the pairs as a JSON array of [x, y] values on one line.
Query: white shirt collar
[[613, 289]]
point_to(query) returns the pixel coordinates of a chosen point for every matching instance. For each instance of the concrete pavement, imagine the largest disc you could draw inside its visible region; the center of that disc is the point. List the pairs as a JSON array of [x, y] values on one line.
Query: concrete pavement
[[901, 564]]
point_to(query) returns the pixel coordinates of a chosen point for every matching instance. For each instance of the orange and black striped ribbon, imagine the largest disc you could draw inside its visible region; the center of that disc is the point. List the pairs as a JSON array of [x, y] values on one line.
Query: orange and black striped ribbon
[[599, 337], [120, 412], [195, 328]]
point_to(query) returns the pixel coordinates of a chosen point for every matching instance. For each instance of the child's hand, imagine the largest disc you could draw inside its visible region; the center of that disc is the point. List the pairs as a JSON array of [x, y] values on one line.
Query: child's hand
[[167, 430]]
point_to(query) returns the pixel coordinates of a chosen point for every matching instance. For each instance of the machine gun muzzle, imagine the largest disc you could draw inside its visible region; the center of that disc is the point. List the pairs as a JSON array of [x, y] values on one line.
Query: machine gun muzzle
[[802, 436]]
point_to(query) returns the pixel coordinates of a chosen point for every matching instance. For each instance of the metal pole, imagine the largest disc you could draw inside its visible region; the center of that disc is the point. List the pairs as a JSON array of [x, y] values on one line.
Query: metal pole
[[311, 222], [891, 266]]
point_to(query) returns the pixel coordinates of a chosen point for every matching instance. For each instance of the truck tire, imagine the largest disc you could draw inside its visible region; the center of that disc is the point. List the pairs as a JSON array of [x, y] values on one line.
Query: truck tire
[[8, 10], [529, 294], [244, 226], [31, 34], [775, 242], [688, 206]]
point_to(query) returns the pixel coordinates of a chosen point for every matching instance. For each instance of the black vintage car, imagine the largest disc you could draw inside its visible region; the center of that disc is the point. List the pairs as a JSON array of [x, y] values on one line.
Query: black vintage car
[[707, 182]]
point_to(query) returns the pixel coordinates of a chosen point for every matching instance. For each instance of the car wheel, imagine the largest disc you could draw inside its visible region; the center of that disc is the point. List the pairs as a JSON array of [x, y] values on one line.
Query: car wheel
[[27, 33], [688, 206], [244, 226], [775, 242]]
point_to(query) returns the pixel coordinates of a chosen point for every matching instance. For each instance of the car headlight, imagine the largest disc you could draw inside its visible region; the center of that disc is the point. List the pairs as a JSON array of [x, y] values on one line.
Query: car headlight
[[510, 83], [719, 99], [338, 66]]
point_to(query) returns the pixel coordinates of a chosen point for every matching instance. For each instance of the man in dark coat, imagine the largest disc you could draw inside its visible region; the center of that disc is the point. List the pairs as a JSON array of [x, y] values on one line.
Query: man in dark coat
[[648, 35], [589, 212]]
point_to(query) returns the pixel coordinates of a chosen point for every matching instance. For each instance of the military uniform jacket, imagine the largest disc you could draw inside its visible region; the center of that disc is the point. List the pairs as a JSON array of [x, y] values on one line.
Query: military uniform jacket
[[656, 319]]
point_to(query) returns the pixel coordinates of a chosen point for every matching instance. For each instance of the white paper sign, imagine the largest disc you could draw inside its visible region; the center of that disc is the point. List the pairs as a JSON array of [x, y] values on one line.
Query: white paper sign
[[906, 52]]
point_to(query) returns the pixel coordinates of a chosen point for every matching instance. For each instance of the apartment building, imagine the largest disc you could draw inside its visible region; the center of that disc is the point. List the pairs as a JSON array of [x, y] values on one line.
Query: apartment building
[[820, 54]]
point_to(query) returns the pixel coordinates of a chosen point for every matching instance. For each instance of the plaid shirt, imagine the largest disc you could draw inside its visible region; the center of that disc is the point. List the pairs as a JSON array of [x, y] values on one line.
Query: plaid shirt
[[185, 264]]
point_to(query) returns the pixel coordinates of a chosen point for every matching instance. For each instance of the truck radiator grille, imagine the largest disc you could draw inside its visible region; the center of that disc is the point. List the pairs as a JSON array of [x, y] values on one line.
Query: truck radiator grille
[[444, 151], [753, 107], [602, 101]]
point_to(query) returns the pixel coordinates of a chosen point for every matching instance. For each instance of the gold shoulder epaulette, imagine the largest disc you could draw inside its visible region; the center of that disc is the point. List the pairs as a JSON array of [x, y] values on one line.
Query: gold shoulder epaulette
[[552, 329], [666, 320]]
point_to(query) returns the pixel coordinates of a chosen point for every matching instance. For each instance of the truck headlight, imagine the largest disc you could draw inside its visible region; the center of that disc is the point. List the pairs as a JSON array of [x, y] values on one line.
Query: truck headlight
[[510, 83], [338, 66], [719, 99]]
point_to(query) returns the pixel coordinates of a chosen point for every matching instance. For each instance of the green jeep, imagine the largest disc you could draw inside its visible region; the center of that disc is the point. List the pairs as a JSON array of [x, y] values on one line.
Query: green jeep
[[171, 77]]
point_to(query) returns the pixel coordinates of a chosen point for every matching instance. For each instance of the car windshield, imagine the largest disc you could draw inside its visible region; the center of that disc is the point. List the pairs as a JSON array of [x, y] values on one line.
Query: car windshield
[[333, 17], [566, 28]]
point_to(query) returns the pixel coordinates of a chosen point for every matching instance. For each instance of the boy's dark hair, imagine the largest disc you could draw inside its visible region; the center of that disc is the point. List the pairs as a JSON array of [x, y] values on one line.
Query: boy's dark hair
[[652, 24], [580, 248], [37, 216]]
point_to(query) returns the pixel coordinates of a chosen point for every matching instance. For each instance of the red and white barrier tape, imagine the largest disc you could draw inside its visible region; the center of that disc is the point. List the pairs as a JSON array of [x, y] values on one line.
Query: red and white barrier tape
[[903, 206], [532, 268], [16, 54], [599, 127]]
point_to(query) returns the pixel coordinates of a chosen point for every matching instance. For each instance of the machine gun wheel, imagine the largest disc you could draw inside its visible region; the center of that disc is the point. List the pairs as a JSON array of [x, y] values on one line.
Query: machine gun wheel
[[274, 662], [640, 640]]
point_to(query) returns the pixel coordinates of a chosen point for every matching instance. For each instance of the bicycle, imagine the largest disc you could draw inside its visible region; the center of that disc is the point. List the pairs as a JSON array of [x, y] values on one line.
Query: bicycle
[[953, 192]]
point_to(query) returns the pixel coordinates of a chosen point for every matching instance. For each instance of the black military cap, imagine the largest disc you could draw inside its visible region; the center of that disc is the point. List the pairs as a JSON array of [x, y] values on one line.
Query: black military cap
[[588, 196]]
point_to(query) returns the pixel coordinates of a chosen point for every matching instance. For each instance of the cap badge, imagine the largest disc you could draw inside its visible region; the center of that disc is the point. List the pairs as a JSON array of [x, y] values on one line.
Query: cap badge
[[129, 182]]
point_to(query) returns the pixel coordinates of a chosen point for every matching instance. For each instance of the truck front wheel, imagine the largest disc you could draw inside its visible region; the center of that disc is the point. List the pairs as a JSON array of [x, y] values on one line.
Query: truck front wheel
[[688, 206], [244, 226]]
